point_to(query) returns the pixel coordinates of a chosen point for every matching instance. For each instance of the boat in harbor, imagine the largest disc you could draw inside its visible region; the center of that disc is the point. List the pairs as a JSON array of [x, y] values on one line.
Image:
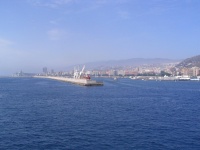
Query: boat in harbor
[[194, 79], [187, 78], [115, 78], [184, 79]]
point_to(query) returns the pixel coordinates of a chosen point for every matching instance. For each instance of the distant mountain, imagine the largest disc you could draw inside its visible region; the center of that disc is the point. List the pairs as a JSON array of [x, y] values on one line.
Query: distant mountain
[[134, 62], [190, 62]]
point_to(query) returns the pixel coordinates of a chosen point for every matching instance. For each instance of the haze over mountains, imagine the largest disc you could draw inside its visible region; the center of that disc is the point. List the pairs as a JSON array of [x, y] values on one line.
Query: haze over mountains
[[134, 62]]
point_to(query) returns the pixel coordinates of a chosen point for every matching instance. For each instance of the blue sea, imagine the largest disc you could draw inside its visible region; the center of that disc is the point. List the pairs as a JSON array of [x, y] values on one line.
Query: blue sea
[[124, 114]]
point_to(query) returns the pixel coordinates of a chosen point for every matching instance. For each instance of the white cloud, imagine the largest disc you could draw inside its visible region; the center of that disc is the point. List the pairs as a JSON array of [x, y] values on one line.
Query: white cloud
[[54, 22], [111, 1], [124, 14], [50, 3], [4, 42], [58, 3], [55, 34]]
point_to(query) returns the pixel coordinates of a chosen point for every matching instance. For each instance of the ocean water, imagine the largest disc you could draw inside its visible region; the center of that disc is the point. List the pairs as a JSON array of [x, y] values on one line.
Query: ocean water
[[39, 114]]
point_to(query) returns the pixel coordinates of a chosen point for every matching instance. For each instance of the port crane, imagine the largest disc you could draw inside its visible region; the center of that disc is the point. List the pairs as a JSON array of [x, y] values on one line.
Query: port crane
[[79, 74], [82, 71]]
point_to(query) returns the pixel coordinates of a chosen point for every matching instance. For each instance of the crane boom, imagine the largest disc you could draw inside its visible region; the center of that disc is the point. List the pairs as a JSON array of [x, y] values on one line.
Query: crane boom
[[82, 70]]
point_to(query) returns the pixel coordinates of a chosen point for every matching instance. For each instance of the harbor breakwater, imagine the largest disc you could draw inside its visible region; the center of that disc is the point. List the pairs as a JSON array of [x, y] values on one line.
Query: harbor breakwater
[[84, 82]]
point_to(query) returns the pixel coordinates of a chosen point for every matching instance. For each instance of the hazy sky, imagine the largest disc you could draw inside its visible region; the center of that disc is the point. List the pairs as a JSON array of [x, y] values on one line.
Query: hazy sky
[[58, 33]]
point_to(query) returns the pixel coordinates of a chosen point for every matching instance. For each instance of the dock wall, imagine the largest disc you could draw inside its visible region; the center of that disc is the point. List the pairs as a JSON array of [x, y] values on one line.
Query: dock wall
[[84, 82]]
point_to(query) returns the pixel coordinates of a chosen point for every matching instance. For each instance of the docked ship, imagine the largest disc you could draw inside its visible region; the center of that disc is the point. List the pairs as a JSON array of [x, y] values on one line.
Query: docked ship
[[79, 78], [80, 74], [184, 78]]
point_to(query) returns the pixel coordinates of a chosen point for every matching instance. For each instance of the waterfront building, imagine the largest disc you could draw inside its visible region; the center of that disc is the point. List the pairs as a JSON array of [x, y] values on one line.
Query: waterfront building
[[195, 71], [45, 71], [52, 71], [121, 72], [112, 72]]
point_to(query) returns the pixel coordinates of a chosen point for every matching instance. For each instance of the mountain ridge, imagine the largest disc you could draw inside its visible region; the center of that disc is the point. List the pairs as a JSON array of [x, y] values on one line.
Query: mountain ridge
[[190, 62], [134, 62]]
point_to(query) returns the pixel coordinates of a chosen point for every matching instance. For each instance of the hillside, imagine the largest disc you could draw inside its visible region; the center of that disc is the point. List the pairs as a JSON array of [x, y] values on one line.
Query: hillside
[[126, 62], [190, 62]]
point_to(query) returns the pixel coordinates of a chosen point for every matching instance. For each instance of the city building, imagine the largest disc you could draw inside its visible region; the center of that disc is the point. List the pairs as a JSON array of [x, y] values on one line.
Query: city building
[[45, 71]]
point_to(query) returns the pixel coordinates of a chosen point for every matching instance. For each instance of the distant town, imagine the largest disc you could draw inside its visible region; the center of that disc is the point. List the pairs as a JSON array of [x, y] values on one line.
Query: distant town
[[163, 71]]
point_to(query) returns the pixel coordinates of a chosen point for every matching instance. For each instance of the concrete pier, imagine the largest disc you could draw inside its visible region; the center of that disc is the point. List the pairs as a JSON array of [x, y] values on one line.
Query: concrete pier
[[84, 82]]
